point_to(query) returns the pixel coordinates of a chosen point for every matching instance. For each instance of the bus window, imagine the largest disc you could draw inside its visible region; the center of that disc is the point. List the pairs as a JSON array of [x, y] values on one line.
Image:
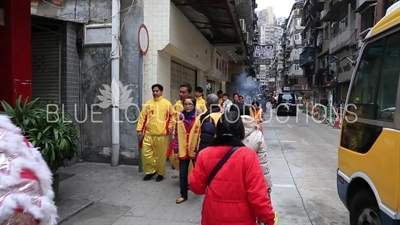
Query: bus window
[[389, 79], [373, 94], [365, 89]]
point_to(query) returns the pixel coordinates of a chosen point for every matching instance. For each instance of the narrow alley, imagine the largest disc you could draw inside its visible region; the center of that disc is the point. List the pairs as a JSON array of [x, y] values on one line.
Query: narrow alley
[[303, 162]]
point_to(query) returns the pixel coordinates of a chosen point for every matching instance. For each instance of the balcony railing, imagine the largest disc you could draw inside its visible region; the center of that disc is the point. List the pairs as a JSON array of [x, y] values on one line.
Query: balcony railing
[[307, 56], [331, 8], [298, 42], [325, 47], [298, 72], [344, 38]]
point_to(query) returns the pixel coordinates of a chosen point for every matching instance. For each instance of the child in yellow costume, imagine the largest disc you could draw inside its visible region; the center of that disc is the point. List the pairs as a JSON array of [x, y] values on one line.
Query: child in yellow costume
[[256, 112], [184, 144]]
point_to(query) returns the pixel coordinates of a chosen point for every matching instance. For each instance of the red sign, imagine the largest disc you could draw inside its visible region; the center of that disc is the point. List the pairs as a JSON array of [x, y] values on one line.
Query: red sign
[[143, 39]]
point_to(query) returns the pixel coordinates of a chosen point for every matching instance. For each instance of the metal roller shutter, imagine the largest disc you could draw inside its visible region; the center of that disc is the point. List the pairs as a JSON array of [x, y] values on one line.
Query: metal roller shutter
[[46, 66], [188, 76], [181, 75]]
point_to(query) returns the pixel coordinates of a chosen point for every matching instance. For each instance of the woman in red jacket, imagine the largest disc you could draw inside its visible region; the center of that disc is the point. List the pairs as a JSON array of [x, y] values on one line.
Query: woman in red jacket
[[237, 192]]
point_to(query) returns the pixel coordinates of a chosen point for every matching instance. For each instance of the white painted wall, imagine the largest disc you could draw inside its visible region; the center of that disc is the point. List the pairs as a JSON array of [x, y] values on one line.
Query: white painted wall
[[171, 34], [186, 42], [156, 18]]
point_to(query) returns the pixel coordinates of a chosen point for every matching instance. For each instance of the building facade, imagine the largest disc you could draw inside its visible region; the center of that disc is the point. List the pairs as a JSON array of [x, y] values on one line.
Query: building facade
[[266, 16], [270, 33], [334, 31], [70, 45], [287, 66]]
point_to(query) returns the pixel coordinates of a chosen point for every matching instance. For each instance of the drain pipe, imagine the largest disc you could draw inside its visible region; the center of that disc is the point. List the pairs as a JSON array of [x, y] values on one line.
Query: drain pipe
[[140, 102], [115, 30]]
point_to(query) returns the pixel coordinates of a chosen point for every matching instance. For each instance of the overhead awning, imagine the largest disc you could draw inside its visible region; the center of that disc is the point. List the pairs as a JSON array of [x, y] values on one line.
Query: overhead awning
[[218, 22], [364, 5], [213, 19]]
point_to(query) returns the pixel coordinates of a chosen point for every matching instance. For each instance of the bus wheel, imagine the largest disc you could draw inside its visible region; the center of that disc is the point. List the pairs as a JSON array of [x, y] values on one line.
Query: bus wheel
[[364, 209]]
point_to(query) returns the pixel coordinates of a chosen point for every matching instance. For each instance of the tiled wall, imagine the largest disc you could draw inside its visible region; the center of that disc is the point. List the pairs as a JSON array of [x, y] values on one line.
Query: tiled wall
[[156, 18], [70, 85], [171, 34], [70, 78]]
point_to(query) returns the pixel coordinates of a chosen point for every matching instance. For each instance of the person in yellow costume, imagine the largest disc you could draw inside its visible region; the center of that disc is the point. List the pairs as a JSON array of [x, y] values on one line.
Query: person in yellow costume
[[220, 93], [154, 126], [185, 142], [256, 112], [200, 101], [354, 130], [185, 90]]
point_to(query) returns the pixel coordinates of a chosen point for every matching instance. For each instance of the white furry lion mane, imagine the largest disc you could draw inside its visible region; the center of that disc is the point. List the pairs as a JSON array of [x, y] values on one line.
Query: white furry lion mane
[[25, 178]]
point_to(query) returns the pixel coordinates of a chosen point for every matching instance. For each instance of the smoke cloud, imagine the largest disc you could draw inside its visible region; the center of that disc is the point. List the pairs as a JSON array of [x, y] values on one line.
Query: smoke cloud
[[242, 84], [245, 86]]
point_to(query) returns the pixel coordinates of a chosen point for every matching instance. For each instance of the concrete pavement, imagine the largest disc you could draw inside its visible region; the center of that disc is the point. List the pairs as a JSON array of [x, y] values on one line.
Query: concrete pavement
[[303, 163]]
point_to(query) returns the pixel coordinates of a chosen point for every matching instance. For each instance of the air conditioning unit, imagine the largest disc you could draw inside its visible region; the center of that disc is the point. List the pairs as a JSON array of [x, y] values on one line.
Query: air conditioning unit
[[242, 25]]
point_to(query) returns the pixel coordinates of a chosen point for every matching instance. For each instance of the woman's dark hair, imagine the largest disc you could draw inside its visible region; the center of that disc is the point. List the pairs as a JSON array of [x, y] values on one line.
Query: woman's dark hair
[[255, 102], [193, 99], [230, 123]]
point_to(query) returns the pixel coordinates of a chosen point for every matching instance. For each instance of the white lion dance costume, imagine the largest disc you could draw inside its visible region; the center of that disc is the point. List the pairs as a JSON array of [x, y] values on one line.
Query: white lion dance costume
[[26, 194]]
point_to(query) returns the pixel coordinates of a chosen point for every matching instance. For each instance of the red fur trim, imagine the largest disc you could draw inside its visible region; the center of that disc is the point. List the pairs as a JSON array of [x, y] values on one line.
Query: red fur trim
[[28, 174]]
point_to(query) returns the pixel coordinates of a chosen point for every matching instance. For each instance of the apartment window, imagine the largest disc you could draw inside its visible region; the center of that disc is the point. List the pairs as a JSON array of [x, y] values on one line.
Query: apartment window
[[343, 23], [298, 22], [353, 7], [335, 29], [326, 34], [296, 67], [368, 18], [297, 37]]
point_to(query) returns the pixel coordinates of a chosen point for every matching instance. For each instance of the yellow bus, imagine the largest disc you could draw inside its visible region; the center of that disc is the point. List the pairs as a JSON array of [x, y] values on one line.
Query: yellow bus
[[368, 176]]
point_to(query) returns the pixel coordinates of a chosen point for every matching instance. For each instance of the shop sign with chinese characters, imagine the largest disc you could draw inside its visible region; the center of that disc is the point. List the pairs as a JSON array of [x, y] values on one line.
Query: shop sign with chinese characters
[[221, 67]]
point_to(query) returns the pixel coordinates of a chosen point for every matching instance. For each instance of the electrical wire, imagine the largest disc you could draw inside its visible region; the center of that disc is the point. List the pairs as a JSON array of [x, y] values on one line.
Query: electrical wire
[[119, 45]]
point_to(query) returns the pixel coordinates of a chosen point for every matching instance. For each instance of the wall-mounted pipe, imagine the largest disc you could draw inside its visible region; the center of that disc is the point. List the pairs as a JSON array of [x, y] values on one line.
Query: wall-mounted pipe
[[115, 32]]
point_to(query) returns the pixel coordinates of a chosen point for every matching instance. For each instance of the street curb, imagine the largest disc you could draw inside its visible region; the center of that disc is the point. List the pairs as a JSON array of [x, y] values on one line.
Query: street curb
[[85, 206]]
